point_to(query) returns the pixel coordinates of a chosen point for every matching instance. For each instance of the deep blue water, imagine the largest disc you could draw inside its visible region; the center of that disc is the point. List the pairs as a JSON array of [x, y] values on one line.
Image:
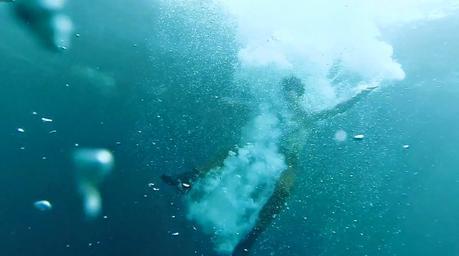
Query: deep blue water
[[167, 112]]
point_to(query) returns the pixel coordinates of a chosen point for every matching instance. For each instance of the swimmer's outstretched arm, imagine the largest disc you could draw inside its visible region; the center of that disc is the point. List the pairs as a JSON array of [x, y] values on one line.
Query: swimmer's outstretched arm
[[343, 106]]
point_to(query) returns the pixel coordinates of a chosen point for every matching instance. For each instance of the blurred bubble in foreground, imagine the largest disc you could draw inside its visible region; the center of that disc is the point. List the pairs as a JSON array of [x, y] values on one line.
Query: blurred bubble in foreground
[[340, 135], [45, 18], [91, 167], [43, 205]]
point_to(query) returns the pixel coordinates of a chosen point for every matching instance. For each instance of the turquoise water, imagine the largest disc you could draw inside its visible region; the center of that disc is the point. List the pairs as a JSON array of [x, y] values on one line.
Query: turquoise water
[[169, 87]]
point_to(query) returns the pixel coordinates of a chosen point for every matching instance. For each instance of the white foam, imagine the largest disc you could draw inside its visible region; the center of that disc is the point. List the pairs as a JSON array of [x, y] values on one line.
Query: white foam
[[310, 38], [226, 203]]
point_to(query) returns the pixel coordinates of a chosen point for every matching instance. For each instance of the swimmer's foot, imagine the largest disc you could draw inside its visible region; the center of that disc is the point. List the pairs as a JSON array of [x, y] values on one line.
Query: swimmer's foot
[[169, 180], [371, 87], [182, 182]]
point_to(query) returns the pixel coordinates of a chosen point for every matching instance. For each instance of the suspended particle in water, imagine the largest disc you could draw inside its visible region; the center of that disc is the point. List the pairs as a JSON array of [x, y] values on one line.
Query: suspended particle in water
[[43, 205], [21, 130], [341, 136], [406, 146], [175, 234], [46, 120], [359, 137]]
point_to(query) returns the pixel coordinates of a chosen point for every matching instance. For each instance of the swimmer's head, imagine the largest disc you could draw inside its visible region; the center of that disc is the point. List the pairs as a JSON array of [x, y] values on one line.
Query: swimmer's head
[[292, 85], [293, 91]]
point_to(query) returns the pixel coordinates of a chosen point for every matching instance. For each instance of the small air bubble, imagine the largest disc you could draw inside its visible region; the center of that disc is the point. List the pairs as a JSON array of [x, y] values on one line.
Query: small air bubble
[[359, 137], [43, 205], [46, 120]]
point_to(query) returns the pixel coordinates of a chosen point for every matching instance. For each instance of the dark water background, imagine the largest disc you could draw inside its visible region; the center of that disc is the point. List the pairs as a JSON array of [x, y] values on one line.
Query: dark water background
[[167, 112]]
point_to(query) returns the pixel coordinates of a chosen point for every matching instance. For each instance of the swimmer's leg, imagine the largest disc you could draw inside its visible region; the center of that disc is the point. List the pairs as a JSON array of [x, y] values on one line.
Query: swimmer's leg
[[268, 213]]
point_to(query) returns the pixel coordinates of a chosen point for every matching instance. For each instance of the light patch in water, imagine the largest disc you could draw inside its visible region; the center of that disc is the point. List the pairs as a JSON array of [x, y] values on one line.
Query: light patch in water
[[52, 4], [92, 201], [63, 28], [341, 136]]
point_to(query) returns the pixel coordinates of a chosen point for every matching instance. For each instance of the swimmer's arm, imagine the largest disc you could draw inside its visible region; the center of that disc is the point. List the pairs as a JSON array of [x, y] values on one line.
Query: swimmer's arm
[[342, 107]]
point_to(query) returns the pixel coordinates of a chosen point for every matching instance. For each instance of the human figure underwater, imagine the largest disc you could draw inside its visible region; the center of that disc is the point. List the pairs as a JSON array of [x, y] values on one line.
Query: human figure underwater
[[291, 145]]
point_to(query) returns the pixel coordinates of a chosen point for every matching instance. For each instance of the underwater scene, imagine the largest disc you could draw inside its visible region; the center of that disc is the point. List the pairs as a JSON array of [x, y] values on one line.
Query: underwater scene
[[229, 127]]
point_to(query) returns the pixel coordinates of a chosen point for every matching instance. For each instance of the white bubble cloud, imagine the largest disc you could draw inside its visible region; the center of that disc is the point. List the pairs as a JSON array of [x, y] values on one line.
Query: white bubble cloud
[[308, 38], [226, 203]]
